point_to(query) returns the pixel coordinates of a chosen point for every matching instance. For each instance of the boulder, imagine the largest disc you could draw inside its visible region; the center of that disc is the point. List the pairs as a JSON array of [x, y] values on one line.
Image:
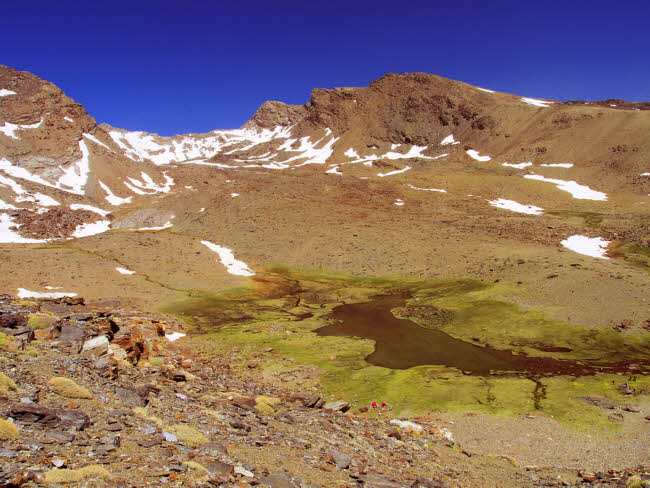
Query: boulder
[[337, 406], [49, 417]]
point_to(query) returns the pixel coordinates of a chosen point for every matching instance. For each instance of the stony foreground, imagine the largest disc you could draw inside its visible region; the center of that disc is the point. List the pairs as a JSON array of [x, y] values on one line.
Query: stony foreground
[[95, 395]]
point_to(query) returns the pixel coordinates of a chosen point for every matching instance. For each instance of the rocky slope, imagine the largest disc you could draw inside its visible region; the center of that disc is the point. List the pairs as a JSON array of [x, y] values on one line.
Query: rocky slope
[[99, 394]]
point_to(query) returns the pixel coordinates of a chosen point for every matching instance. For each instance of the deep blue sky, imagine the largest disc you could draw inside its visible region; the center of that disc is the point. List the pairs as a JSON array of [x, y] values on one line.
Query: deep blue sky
[[193, 66]]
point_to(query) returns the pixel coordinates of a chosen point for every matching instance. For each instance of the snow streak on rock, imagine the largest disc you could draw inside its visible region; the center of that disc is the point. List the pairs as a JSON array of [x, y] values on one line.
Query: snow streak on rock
[[111, 197], [558, 165], [395, 172], [227, 258], [517, 165], [5, 93], [166, 225], [90, 208], [75, 176], [537, 103], [589, 246], [97, 141], [147, 186], [427, 189], [124, 271], [10, 129]]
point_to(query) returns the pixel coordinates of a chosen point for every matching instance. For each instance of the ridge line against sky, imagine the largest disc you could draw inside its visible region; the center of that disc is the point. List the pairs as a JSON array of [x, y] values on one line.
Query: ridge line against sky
[[174, 68]]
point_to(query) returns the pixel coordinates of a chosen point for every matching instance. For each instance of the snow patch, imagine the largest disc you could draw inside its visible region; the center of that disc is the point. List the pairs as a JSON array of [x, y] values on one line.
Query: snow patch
[[427, 189], [475, 155], [111, 197], [8, 236], [7, 206], [536, 102], [485, 90], [125, 271], [399, 202], [645, 174], [75, 176], [5, 93], [233, 195], [516, 207], [147, 186], [589, 246], [448, 140], [10, 129], [227, 258], [90, 208], [92, 228], [581, 192], [174, 336], [97, 141], [517, 165], [334, 170], [166, 225], [23, 293], [351, 153], [395, 172], [68, 119], [558, 165]]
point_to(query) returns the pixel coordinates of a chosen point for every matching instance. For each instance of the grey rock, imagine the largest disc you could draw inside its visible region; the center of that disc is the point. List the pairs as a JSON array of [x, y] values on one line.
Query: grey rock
[[130, 397], [218, 467], [281, 480], [340, 459], [99, 343], [337, 406], [375, 480]]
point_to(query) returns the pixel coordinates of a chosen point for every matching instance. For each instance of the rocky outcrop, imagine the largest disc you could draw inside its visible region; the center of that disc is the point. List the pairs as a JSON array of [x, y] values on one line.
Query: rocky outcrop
[[272, 114]]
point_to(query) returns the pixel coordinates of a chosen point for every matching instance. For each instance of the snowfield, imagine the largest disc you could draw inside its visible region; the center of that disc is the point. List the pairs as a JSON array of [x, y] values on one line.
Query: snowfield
[[589, 246]]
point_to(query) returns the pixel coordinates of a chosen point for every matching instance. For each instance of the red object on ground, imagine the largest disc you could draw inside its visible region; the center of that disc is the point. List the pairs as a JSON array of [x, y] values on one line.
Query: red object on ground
[[374, 405], [384, 404]]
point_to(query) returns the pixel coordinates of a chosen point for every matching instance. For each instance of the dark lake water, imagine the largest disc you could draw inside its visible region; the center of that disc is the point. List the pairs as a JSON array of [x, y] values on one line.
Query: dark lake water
[[401, 344]]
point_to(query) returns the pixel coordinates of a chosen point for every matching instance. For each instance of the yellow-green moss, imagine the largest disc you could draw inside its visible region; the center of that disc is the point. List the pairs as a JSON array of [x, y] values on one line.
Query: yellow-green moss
[[6, 383], [636, 482], [142, 412], [41, 320], [7, 430], [93, 471], [196, 466], [6, 341], [68, 388], [187, 435], [264, 404], [156, 362]]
